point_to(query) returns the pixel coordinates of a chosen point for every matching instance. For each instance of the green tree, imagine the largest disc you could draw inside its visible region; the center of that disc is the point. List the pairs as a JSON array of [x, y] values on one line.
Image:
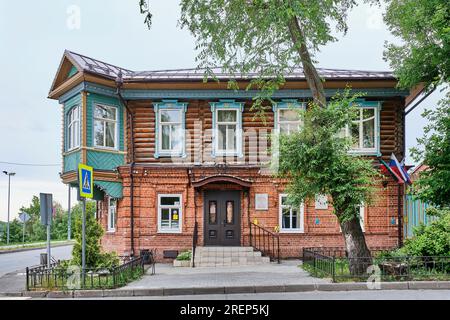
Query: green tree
[[424, 28], [95, 258], [433, 185], [316, 161]]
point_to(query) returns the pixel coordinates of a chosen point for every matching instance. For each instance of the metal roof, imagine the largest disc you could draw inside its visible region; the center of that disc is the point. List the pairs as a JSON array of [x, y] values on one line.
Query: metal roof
[[98, 67]]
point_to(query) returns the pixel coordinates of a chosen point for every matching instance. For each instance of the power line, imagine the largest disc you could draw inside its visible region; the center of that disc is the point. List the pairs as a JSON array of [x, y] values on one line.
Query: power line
[[30, 164]]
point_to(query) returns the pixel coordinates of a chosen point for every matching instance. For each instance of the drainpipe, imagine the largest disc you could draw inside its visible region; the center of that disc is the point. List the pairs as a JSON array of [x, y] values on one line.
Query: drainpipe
[[119, 83]]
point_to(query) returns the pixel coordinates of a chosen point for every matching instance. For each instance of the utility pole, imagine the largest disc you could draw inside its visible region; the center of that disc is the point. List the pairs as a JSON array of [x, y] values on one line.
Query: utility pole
[[9, 174]]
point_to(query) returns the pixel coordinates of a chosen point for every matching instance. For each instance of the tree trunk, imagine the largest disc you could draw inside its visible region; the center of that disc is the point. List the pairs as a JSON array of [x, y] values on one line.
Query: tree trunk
[[311, 74], [358, 253]]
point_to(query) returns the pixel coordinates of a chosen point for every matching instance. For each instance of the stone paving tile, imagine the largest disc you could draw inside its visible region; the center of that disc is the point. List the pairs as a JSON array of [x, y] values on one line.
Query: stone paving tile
[[272, 274]]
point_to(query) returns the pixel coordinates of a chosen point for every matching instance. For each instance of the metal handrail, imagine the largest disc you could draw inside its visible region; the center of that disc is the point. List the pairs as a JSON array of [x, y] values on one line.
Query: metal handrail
[[194, 242], [270, 245]]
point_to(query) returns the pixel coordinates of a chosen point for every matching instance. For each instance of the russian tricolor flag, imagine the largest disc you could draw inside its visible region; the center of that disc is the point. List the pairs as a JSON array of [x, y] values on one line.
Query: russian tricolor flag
[[397, 170]]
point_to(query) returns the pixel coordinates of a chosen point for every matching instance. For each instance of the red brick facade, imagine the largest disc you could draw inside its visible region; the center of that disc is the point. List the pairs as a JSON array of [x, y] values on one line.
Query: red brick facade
[[320, 226]]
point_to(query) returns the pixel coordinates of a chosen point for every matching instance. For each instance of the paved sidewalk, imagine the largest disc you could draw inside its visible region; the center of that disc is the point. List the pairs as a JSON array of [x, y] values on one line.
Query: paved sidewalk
[[273, 274]]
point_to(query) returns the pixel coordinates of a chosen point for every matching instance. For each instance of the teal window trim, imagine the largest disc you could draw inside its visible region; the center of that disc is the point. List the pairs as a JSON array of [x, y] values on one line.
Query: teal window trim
[[376, 105], [117, 125], [285, 104], [169, 105], [227, 104], [66, 129]]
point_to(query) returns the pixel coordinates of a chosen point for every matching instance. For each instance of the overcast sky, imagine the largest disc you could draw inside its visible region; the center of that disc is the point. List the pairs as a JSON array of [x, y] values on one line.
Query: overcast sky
[[33, 38]]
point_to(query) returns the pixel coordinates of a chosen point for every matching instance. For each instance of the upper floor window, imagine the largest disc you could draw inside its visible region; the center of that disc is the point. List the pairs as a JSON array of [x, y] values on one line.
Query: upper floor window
[[287, 116], [112, 211], [170, 128], [227, 128], [105, 126], [291, 217], [364, 129], [73, 128]]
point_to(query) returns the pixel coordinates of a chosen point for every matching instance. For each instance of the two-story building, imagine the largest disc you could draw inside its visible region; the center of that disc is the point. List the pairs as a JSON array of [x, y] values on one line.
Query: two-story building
[[175, 156]]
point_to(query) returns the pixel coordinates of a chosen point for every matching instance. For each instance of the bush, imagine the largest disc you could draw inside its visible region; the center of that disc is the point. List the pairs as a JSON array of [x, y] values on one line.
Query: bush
[[427, 240], [186, 255]]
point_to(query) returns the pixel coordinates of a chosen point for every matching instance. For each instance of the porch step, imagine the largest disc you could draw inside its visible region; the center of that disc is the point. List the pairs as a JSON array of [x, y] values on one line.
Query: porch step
[[228, 256]]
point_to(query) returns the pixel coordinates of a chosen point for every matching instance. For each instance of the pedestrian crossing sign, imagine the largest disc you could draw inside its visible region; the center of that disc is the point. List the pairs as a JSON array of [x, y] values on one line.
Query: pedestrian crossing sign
[[86, 181]]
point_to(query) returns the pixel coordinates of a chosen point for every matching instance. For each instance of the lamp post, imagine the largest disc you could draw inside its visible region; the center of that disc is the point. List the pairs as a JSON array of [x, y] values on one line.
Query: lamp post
[[9, 174]]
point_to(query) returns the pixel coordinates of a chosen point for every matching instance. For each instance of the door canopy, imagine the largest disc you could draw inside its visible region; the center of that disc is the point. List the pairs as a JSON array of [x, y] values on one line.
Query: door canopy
[[221, 179]]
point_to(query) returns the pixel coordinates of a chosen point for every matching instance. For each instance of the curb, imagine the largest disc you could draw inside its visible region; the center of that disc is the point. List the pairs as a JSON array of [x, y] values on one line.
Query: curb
[[410, 285], [29, 249]]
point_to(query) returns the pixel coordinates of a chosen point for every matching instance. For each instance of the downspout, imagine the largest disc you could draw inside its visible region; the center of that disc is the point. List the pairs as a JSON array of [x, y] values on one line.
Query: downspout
[[119, 83]]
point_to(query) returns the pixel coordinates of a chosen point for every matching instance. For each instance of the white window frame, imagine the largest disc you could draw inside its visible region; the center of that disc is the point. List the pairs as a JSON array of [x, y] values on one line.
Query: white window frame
[[226, 152], [301, 211], [112, 222], [171, 105], [298, 122], [171, 151], [180, 213], [104, 127], [73, 128], [287, 104], [360, 121]]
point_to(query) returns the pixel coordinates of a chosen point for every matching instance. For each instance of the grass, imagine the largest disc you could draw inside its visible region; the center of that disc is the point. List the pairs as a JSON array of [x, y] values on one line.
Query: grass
[[32, 245], [60, 280], [342, 273]]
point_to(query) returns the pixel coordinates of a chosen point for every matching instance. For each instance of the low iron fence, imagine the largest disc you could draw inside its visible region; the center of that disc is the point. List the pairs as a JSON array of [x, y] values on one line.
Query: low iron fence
[[333, 263], [59, 277]]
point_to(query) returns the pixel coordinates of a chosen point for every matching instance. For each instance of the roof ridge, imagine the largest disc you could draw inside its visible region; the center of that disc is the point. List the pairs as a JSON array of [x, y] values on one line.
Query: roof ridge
[[97, 60]]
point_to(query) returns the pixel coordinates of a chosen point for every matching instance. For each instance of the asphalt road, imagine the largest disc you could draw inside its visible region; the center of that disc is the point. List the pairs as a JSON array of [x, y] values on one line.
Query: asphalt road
[[18, 261]]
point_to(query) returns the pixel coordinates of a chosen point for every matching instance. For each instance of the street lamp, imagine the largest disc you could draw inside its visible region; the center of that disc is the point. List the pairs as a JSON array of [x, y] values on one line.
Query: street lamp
[[9, 174]]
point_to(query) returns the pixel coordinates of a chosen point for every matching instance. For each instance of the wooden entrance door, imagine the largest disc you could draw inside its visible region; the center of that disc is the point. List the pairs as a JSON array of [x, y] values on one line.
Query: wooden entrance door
[[222, 218]]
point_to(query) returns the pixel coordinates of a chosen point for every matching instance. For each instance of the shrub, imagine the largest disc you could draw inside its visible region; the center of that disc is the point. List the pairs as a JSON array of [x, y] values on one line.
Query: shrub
[[183, 256]]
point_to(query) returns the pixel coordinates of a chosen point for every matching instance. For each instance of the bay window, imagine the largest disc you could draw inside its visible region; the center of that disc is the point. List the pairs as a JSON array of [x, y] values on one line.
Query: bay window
[[105, 126], [73, 128]]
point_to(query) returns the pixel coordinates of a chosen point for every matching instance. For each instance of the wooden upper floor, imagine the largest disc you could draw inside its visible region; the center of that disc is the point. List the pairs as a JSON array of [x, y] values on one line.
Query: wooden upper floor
[[113, 116]]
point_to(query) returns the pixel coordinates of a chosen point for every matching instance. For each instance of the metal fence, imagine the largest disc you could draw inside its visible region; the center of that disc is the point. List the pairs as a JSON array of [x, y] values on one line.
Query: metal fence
[[59, 277], [331, 263]]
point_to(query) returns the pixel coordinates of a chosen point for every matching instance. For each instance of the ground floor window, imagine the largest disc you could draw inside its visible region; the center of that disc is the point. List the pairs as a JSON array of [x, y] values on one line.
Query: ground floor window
[[291, 218], [169, 213], [112, 210]]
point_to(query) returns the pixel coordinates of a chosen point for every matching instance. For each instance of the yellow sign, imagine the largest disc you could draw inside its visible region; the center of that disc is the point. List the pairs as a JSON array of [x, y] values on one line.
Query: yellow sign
[[255, 221], [86, 181]]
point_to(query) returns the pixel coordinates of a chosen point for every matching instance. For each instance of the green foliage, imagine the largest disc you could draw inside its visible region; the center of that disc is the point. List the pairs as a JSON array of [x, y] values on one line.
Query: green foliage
[[433, 185], [424, 28], [264, 37], [34, 230], [183, 256], [95, 258], [317, 161], [430, 240]]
